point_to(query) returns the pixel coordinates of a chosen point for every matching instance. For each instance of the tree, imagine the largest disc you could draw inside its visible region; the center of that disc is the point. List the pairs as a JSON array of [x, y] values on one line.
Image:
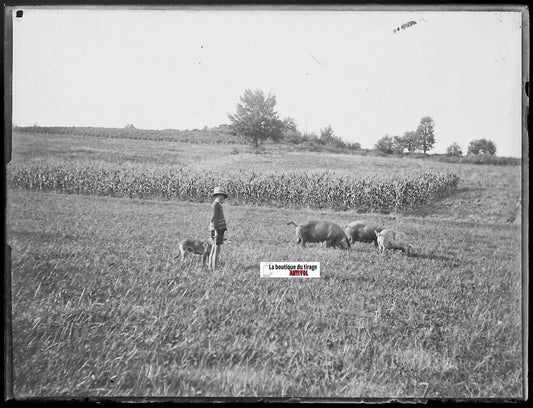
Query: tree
[[385, 145], [410, 141], [398, 145], [289, 124], [481, 146], [426, 134], [290, 131], [354, 146], [454, 150], [256, 119], [326, 134], [328, 137]]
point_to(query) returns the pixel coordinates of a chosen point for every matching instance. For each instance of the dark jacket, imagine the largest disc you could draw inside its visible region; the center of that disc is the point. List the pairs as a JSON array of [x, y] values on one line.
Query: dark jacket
[[217, 218]]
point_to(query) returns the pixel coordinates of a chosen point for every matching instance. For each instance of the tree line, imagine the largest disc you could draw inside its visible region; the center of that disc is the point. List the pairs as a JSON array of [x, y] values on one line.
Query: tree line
[[256, 120], [422, 139]]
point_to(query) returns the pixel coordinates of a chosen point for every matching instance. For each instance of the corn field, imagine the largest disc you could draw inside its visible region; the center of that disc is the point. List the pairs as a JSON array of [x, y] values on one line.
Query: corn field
[[322, 190]]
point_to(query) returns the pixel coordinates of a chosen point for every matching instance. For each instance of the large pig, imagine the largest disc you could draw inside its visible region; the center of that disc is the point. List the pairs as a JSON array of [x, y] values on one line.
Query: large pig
[[321, 231], [390, 239], [360, 231]]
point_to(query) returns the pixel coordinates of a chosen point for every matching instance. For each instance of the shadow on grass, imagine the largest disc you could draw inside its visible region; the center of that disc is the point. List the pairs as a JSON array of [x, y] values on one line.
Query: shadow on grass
[[340, 278], [465, 190], [432, 257], [436, 206], [449, 259]]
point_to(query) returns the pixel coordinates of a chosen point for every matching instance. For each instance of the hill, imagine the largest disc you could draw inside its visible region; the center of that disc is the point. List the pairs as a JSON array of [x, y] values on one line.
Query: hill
[[224, 135]]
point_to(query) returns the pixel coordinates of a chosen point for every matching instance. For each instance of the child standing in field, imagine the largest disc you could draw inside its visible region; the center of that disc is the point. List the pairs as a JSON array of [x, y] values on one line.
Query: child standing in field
[[217, 226]]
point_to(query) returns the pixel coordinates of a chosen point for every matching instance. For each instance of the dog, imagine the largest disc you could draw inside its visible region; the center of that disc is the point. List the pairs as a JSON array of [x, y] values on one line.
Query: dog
[[195, 246]]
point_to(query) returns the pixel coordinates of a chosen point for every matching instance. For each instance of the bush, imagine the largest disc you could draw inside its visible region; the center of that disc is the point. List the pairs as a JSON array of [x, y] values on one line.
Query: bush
[[481, 159], [454, 150], [492, 160], [385, 145], [292, 138], [481, 146]]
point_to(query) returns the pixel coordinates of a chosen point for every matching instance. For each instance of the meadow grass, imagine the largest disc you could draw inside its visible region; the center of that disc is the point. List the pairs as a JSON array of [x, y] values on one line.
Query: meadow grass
[[101, 308]]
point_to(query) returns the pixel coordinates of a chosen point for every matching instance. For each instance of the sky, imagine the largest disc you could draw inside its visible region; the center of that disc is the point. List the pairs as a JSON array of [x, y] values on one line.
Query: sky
[[186, 68]]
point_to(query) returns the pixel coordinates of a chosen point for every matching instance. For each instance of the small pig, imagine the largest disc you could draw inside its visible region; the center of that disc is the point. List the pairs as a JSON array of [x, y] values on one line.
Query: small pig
[[391, 239]]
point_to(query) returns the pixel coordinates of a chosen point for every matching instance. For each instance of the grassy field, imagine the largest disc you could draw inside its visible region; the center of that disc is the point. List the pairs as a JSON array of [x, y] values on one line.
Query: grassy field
[[101, 308]]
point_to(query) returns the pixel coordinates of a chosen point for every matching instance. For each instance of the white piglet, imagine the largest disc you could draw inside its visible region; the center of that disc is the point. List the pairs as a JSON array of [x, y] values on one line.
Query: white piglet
[[391, 239]]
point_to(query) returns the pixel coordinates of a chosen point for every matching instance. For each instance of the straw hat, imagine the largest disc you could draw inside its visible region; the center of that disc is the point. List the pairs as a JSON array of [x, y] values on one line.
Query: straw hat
[[219, 190]]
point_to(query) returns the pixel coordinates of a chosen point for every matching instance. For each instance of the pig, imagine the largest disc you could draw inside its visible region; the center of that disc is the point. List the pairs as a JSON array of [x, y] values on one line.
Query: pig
[[391, 239], [362, 232], [320, 231]]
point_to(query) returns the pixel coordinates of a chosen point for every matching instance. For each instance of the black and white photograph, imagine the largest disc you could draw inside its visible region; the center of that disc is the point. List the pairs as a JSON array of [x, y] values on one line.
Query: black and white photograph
[[246, 202]]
